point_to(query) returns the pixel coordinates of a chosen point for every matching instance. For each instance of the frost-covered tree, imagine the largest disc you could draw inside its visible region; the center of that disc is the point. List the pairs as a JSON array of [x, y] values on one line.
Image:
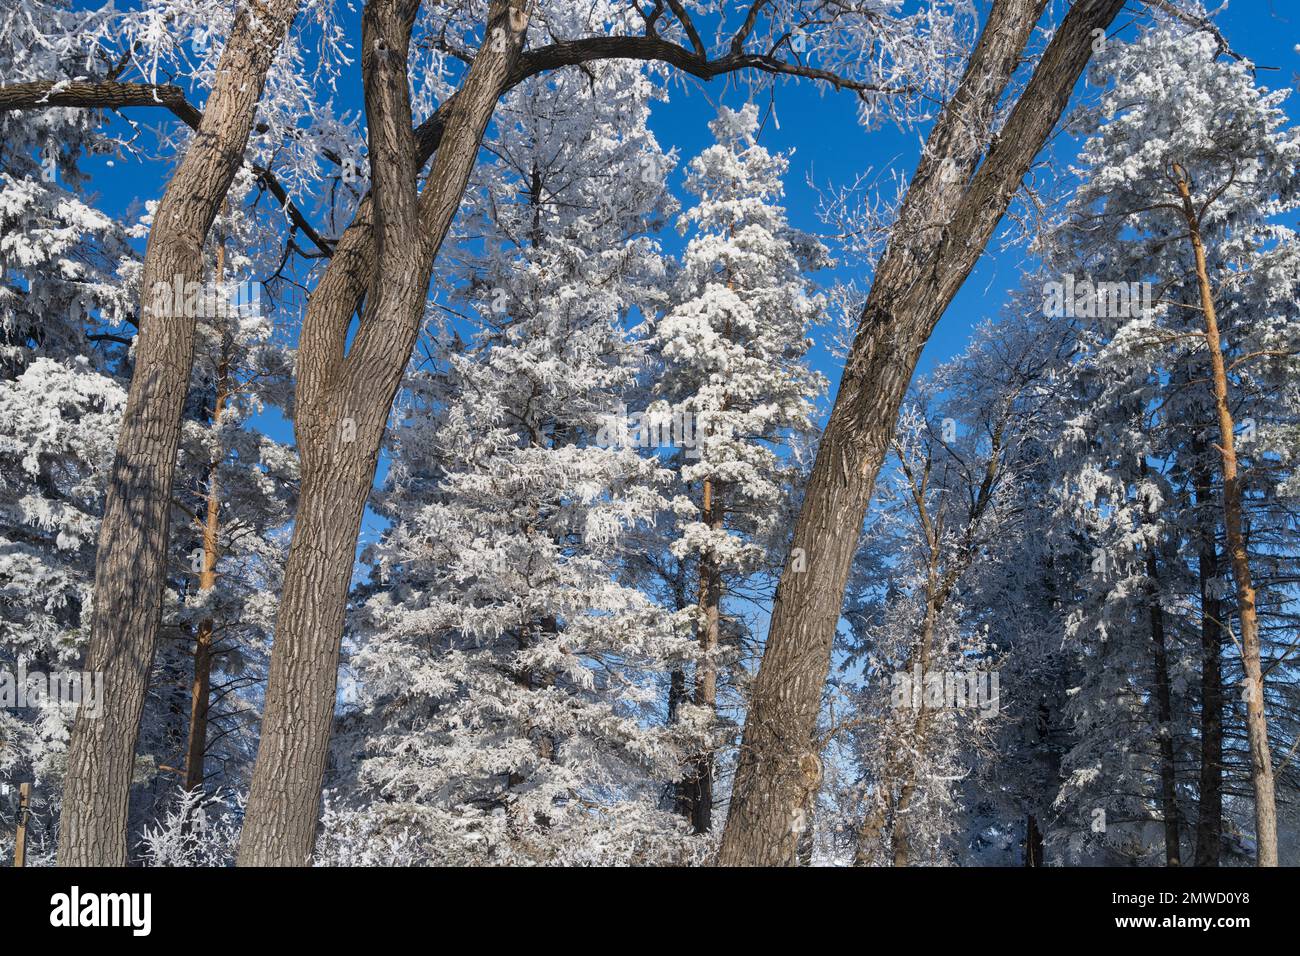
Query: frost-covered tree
[[68, 315], [732, 379], [234, 498], [508, 675], [1188, 167], [941, 614], [61, 304]]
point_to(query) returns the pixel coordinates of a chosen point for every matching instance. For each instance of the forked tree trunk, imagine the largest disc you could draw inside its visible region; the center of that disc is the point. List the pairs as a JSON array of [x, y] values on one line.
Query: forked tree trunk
[[1261, 761], [130, 564], [946, 220], [344, 401], [939, 587]]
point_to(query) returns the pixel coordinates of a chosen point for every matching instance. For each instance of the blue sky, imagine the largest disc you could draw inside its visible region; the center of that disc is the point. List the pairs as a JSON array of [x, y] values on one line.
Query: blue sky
[[821, 127]]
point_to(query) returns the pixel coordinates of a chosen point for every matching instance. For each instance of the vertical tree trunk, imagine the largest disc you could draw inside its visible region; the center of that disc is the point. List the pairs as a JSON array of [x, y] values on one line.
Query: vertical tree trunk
[[1033, 842], [1209, 813], [24, 813], [676, 697], [867, 838], [929, 256], [130, 564], [1261, 761], [201, 684], [1164, 714], [699, 778], [916, 743], [344, 401]]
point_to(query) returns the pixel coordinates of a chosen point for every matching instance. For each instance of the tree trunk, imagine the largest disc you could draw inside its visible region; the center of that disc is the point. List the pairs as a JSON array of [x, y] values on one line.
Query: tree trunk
[[1033, 842], [867, 838], [1209, 813], [699, 776], [130, 564], [1261, 761], [1164, 714], [201, 685], [24, 813], [344, 401], [929, 256], [901, 837], [676, 697]]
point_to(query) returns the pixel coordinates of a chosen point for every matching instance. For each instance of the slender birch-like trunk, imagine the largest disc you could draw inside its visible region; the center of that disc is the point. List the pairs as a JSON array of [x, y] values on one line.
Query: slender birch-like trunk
[[1261, 761]]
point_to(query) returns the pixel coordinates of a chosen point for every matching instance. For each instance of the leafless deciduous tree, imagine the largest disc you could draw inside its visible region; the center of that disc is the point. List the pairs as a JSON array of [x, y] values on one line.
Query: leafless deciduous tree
[[961, 189]]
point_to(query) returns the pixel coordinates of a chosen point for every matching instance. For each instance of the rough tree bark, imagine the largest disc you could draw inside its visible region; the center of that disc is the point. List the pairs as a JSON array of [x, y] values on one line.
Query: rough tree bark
[[350, 395], [1261, 761], [131, 559], [146, 452], [930, 253], [343, 404]]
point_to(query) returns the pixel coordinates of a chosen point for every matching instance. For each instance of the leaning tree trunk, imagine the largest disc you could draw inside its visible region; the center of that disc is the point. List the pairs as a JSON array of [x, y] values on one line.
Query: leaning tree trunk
[[131, 560], [344, 401], [1261, 761], [946, 219]]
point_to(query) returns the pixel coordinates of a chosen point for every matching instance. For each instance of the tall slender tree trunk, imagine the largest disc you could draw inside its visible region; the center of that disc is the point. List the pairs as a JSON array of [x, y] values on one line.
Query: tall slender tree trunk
[[867, 838], [677, 691], [344, 401], [699, 778], [201, 684], [950, 211], [130, 564], [24, 814], [1209, 811], [677, 695], [902, 827], [1033, 842], [1164, 715], [1261, 761]]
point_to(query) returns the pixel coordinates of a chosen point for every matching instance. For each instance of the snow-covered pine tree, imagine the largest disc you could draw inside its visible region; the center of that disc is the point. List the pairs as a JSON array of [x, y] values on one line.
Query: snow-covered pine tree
[[1188, 166], [508, 676], [733, 379]]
